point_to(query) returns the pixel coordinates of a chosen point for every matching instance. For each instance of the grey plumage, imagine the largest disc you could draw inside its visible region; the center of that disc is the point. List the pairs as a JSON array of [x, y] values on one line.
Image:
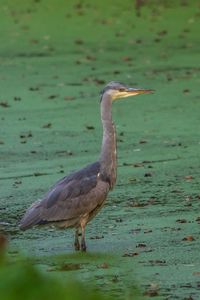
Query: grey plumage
[[68, 199], [75, 199]]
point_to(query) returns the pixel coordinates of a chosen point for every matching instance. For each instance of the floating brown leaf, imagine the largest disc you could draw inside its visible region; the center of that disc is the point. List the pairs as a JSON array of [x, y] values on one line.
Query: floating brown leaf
[[181, 221], [97, 237], [69, 98], [188, 238], [70, 267], [130, 254], [104, 266], [89, 127], [48, 125], [4, 104], [186, 91]]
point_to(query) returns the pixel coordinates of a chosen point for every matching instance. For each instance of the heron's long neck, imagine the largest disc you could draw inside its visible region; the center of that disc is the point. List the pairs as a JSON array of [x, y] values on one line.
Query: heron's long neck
[[108, 159]]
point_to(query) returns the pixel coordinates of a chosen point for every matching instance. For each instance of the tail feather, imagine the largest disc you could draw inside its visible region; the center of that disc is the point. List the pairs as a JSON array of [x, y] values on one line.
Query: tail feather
[[32, 217]]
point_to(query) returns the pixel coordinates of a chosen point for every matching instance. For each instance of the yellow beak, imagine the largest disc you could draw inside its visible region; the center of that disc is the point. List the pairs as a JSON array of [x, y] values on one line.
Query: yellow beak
[[133, 91]]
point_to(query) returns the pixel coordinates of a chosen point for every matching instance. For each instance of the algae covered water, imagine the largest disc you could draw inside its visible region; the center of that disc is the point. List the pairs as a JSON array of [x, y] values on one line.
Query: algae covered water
[[55, 59]]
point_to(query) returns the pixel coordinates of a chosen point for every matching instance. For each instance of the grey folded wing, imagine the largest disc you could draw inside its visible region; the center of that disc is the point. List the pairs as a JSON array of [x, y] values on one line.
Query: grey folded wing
[[69, 198]]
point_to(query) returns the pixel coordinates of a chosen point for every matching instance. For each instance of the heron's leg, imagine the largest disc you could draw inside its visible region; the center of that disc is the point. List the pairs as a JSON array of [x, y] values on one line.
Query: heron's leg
[[83, 244], [76, 241]]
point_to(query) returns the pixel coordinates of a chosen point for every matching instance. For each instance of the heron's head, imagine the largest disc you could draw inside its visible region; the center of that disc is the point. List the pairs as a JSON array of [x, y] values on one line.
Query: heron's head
[[118, 90]]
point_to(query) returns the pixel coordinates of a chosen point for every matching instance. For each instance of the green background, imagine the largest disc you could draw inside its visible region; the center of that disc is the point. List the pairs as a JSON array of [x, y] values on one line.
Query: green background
[[55, 58]]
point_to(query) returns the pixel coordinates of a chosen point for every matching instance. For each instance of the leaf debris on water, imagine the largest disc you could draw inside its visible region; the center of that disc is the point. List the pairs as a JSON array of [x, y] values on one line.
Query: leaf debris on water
[[188, 238], [48, 125], [4, 104]]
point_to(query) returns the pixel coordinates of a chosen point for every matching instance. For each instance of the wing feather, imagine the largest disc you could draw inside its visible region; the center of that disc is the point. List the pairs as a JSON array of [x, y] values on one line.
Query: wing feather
[[70, 197]]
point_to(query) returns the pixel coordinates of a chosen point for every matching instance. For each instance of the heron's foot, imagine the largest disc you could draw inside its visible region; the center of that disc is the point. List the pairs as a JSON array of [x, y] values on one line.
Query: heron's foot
[[76, 240], [83, 246], [77, 245]]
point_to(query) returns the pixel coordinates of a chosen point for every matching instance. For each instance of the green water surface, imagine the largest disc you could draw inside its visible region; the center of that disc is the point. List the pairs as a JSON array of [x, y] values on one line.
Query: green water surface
[[55, 57]]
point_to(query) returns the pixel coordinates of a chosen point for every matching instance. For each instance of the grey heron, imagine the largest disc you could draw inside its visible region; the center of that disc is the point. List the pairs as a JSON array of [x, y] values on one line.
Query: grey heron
[[75, 199]]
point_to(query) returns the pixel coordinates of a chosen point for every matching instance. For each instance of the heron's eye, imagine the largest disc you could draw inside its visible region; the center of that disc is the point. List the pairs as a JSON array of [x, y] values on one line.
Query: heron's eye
[[121, 90]]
